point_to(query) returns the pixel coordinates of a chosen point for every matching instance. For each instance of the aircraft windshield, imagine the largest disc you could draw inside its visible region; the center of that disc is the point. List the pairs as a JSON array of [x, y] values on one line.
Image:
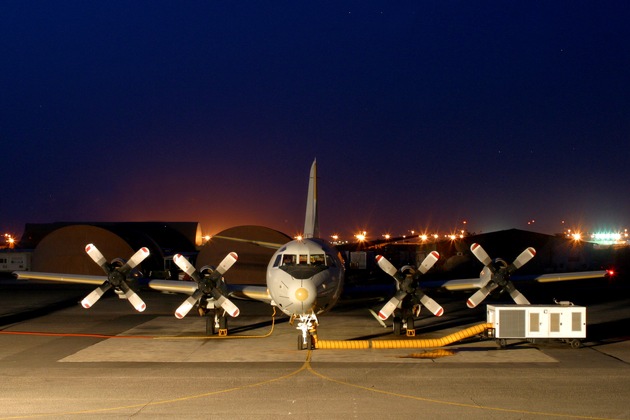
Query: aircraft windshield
[[302, 259]]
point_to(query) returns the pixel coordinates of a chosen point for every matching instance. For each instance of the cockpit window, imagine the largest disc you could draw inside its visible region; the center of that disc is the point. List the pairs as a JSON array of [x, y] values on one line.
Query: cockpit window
[[318, 259], [304, 259], [276, 263], [289, 259]]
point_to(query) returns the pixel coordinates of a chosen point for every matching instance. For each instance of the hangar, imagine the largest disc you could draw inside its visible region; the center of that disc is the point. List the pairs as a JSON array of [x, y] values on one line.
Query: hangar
[[60, 247]]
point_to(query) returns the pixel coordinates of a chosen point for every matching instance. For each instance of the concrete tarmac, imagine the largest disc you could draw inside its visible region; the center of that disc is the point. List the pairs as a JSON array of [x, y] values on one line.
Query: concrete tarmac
[[58, 360]]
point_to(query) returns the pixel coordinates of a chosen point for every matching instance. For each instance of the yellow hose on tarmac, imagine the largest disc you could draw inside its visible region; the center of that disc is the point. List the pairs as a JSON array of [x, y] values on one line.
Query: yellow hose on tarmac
[[403, 344]]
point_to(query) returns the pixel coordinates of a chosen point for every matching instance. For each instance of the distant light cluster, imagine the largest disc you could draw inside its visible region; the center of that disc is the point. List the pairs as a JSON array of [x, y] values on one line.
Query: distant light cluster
[[410, 236], [602, 238]]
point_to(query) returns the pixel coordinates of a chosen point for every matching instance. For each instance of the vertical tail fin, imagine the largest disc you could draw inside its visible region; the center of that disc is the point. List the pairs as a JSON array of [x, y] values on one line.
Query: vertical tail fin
[[311, 222]]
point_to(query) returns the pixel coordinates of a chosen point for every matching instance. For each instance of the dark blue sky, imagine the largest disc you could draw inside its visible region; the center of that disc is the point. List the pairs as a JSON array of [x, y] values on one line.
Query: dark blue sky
[[420, 114]]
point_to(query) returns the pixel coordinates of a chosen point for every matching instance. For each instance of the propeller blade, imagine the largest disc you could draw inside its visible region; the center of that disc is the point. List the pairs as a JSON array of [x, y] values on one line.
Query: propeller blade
[[518, 297], [523, 258], [431, 305], [380, 321], [227, 262], [135, 259], [133, 297], [185, 307], [186, 266], [97, 257], [386, 266], [480, 294], [95, 295], [481, 254], [391, 305], [228, 306], [428, 262]]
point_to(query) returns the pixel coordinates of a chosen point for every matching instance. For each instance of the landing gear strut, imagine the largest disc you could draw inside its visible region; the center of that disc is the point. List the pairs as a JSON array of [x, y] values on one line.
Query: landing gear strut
[[308, 326], [404, 324], [216, 323]]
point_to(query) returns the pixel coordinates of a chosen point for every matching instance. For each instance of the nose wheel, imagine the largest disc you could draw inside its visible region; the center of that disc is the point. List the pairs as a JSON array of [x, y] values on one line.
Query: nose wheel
[[308, 327]]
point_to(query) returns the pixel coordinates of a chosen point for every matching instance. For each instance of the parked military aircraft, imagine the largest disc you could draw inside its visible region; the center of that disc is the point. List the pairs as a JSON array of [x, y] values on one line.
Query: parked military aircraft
[[304, 279]]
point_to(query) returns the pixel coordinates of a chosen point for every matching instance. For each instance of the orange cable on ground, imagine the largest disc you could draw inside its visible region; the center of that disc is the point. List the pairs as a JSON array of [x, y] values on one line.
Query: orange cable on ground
[[404, 344]]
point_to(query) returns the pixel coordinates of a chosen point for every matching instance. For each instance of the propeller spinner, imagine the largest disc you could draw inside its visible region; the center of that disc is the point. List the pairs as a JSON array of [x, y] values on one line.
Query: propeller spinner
[[497, 274], [207, 285], [408, 285], [116, 277]]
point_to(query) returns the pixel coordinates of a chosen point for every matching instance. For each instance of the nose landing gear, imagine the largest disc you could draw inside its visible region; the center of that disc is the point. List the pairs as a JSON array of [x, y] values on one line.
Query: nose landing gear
[[308, 326]]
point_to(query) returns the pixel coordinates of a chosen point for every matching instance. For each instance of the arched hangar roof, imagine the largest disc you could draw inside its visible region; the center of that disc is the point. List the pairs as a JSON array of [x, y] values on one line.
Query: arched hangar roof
[[254, 245], [62, 248]]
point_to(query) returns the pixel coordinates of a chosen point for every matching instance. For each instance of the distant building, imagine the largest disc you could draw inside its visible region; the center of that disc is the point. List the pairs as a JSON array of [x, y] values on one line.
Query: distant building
[[60, 247]]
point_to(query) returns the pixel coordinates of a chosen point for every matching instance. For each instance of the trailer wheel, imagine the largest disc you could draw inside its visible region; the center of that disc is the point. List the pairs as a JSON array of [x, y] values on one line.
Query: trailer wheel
[[575, 343]]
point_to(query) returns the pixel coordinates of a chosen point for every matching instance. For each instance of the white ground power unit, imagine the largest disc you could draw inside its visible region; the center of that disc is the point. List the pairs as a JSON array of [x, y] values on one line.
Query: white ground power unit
[[566, 322]]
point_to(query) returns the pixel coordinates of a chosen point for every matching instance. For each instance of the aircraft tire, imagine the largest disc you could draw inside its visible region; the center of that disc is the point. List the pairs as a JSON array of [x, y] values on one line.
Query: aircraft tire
[[397, 325]]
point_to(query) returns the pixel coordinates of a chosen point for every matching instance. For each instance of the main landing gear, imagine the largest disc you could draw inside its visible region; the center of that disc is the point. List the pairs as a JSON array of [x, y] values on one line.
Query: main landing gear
[[216, 323], [404, 324]]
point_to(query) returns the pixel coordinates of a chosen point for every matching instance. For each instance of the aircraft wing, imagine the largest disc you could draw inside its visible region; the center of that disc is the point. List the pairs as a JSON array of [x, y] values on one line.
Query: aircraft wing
[[259, 293], [174, 286], [580, 275], [477, 283], [59, 277], [241, 291]]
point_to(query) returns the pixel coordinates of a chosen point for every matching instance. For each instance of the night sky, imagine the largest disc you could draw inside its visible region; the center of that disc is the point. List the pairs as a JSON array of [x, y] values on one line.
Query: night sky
[[421, 114]]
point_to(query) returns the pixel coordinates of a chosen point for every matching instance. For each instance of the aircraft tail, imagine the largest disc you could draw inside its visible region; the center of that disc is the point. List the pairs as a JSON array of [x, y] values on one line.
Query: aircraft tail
[[311, 222]]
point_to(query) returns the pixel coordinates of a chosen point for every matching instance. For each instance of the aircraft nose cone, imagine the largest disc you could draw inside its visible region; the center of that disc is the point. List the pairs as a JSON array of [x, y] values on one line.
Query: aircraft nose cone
[[304, 296], [301, 294]]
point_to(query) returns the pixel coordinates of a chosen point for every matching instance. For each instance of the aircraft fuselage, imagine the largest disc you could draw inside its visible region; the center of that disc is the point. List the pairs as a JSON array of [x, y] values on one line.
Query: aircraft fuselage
[[305, 276]]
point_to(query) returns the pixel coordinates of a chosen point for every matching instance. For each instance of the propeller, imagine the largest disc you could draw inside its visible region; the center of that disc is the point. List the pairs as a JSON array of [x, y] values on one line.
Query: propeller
[[116, 277], [497, 274], [207, 285], [408, 285]]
